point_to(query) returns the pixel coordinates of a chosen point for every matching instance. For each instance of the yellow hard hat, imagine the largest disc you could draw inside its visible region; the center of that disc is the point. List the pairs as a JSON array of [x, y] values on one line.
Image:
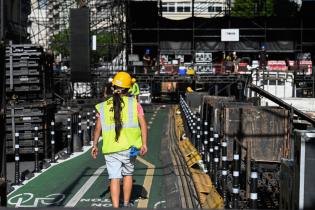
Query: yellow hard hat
[[189, 89], [190, 71], [122, 79]]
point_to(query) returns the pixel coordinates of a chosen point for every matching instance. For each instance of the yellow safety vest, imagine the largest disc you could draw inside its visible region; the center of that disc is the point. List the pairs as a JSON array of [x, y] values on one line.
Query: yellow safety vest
[[130, 134], [134, 90]]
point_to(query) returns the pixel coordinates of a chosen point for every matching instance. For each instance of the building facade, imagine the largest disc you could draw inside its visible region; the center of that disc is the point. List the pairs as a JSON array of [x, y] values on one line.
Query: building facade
[[182, 9], [51, 17], [38, 30]]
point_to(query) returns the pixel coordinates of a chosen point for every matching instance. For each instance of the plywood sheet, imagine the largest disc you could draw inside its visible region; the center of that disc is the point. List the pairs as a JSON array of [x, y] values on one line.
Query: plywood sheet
[[263, 129]]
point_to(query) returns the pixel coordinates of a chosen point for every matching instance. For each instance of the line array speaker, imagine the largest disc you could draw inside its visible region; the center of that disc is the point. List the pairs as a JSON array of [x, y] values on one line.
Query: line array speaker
[[80, 45]]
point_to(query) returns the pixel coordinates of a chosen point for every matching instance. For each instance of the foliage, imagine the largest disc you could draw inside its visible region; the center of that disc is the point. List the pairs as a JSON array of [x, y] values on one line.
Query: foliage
[[266, 8], [107, 44], [243, 8], [60, 43], [285, 8]]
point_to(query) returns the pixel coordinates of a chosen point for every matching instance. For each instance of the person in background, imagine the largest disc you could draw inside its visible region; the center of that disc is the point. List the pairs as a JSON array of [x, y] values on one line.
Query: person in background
[[263, 57], [146, 61], [236, 60], [134, 90], [189, 90], [153, 63], [228, 63], [124, 133]]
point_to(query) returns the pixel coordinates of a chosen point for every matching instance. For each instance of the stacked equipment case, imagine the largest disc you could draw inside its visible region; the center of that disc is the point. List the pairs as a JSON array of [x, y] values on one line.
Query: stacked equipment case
[[29, 98], [3, 187]]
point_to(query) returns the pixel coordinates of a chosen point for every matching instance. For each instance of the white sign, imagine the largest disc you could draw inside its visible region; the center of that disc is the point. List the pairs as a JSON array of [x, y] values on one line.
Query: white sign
[[133, 57], [94, 42], [230, 35]]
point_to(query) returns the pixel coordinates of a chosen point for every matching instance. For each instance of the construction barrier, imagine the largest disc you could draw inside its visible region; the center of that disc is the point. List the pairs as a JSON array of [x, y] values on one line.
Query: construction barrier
[[208, 196]]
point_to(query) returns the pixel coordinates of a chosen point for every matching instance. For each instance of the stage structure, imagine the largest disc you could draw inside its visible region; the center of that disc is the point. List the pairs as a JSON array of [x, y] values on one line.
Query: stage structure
[[149, 28], [125, 30], [129, 27]]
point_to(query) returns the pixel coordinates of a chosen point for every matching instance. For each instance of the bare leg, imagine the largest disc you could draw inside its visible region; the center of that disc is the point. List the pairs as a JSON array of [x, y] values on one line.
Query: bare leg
[[115, 191], [127, 186]]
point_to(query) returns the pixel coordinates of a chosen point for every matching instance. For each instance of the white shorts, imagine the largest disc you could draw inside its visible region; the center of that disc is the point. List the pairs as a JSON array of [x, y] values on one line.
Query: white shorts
[[120, 164]]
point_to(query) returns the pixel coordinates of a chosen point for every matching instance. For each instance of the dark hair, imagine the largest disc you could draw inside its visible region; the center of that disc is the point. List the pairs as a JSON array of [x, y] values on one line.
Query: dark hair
[[107, 91], [118, 105]]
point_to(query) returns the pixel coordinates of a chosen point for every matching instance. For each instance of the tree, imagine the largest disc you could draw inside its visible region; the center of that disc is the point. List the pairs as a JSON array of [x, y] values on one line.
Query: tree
[[107, 46], [251, 8], [107, 43], [243, 8], [60, 43], [285, 8]]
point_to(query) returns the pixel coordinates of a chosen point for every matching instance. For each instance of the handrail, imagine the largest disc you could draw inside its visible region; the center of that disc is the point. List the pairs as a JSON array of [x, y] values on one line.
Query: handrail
[[281, 103]]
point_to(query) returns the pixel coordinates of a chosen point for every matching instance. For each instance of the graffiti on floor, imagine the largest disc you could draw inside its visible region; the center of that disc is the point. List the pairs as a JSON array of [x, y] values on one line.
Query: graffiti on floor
[[29, 200]]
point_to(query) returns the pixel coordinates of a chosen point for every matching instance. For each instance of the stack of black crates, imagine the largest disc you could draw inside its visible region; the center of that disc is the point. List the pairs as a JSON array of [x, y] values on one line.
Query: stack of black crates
[[29, 98], [3, 186]]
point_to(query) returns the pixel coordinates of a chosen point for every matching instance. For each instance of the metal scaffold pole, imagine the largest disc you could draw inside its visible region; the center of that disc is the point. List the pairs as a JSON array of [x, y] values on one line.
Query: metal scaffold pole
[[3, 179], [1, 20]]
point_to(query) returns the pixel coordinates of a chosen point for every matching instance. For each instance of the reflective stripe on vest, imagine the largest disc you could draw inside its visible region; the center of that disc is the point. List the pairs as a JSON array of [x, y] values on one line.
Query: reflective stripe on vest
[[129, 124]]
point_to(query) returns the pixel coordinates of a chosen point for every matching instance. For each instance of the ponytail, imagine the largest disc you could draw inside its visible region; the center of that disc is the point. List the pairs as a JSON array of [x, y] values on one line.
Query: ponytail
[[118, 104]]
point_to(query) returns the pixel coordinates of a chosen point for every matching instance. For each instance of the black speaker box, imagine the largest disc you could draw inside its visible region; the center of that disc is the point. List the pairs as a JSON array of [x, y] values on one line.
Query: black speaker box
[[80, 45]]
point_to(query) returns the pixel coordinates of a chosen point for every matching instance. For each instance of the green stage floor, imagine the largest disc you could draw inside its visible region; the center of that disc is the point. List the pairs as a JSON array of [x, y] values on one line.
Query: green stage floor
[[83, 182]]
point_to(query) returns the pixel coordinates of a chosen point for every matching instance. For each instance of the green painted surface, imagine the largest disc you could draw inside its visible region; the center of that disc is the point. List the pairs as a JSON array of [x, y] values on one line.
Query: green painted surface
[[155, 136], [65, 178], [61, 182], [99, 195]]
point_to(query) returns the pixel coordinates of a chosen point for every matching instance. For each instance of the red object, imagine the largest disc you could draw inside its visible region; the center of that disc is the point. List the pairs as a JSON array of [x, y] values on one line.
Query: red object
[[308, 65]]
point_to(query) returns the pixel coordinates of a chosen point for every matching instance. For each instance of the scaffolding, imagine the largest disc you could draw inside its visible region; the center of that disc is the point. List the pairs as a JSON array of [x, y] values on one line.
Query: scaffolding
[[51, 17], [50, 28], [120, 37], [2, 128]]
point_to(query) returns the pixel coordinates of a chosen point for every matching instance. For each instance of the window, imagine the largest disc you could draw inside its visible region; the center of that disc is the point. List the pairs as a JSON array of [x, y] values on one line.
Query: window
[[164, 7], [186, 8], [168, 7], [180, 7], [210, 9], [218, 9], [171, 7]]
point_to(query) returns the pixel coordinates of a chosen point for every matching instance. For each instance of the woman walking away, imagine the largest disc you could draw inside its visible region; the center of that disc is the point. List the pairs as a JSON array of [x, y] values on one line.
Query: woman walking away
[[124, 132]]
